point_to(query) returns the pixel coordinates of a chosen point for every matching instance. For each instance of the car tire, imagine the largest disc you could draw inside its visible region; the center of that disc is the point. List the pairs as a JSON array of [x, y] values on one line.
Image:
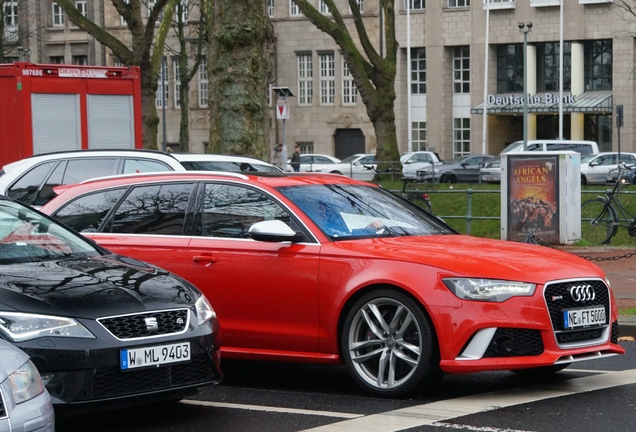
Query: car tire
[[448, 179], [583, 180], [388, 344]]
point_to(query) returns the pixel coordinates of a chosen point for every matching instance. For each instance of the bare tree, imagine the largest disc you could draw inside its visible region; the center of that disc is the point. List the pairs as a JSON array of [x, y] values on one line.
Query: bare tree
[[239, 69], [143, 50], [187, 34], [11, 32], [373, 73]]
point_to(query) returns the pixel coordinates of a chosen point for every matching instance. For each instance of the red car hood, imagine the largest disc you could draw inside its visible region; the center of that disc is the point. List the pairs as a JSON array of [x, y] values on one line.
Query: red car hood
[[477, 257]]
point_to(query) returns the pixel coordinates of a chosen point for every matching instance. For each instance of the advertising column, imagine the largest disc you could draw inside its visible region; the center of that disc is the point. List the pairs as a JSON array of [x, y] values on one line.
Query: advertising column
[[541, 197]]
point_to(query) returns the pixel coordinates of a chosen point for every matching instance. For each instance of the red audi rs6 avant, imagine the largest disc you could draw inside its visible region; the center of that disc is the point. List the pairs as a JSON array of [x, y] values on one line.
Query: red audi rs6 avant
[[320, 268]]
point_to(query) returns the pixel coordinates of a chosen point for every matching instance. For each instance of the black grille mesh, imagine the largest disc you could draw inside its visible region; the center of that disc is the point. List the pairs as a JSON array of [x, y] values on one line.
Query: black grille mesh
[[558, 298], [134, 326], [3, 411], [614, 338], [111, 381], [510, 342]]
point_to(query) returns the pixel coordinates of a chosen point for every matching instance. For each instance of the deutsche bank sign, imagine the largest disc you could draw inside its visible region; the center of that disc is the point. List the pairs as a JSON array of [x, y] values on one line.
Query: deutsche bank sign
[[543, 99]]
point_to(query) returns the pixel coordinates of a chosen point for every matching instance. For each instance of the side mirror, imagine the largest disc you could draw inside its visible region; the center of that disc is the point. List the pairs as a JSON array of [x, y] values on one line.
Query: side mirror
[[274, 231]]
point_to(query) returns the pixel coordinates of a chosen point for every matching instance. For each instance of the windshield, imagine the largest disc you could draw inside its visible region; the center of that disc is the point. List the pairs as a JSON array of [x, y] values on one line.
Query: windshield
[[348, 211], [351, 159], [457, 161], [515, 146], [27, 236], [588, 158], [228, 166]]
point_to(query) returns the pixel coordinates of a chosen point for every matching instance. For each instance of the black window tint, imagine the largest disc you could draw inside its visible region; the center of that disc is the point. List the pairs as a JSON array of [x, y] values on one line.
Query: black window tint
[[144, 165], [26, 188], [87, 213], [55, 179], [79, 170], [154, 209], [230, 211]]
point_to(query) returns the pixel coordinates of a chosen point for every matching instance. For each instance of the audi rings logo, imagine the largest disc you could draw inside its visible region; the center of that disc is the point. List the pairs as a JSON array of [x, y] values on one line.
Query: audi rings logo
[[582, 293]]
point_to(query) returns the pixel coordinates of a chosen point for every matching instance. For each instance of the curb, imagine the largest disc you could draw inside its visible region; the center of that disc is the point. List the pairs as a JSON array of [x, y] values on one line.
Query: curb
[[626, 329]]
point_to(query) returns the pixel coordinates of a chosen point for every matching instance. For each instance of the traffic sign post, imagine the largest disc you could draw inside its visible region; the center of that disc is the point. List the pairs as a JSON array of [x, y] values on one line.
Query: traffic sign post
[[282, 113]]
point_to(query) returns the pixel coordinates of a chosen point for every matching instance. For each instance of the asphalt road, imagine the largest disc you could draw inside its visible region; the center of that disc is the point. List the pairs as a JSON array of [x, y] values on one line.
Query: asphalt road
[[592, 396]]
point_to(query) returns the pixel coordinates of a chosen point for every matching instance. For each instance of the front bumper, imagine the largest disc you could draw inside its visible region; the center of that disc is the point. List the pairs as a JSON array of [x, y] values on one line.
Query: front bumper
[[524, 333], [33, 415], [82, 372]]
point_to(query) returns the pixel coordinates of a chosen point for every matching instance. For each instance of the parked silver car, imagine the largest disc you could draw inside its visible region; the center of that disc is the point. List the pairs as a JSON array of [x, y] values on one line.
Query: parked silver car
[[25, 405]]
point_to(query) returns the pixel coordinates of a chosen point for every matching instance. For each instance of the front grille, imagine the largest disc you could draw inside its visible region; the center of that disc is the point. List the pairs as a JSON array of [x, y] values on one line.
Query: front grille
[[125, 327], [111, 382], [3, 410], [614, 338], [557, 297], [510, 342]]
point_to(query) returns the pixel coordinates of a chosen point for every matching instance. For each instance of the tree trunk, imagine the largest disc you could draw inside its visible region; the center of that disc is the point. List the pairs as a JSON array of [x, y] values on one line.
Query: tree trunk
[[239, 72]]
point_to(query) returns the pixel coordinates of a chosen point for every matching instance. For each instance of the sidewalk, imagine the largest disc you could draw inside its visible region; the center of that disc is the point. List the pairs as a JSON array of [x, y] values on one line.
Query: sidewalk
[[619, 263]]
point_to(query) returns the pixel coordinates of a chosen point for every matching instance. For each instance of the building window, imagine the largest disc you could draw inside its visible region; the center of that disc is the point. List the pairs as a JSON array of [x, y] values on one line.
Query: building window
[[162, 85], [122, 20], [56, 59], [415, 4], [294, 10], [598, 65], [203, 83], [548, 66], [176, 67], [458, 3], [270, 8], [58, 16], [10, 13], [322, 6], [418, 136], [349, 89], [306, 147], [81, 7], [360, 6], [461, 69], [510, 68], [327, 79], [418, 70], [305, 79], [461, 137], [80, 60], [185, 10]]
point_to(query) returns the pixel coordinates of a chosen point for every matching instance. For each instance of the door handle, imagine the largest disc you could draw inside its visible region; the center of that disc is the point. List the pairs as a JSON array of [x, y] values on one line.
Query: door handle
[[204, 260]]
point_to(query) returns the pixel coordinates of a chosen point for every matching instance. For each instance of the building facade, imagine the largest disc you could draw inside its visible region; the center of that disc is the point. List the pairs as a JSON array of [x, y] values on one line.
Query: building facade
[[462, 94]]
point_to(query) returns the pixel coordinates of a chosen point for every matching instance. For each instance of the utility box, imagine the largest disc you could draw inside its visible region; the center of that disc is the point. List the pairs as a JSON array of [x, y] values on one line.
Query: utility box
[[541, 197], [55, 107]]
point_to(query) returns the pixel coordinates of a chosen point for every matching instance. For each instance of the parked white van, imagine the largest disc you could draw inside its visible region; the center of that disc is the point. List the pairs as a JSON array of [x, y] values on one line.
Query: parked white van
[[583, 147], [491, 171]]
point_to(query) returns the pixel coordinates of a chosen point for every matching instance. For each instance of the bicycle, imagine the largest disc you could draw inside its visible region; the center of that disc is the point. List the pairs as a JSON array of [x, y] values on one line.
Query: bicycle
[[600, 216]]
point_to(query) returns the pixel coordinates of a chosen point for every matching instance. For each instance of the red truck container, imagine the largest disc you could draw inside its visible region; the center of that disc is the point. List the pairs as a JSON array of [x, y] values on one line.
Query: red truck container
[[54, 107]]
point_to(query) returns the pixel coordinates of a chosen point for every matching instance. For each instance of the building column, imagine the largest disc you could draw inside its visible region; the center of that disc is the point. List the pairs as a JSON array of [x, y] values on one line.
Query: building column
[[531, 59], [577, 120]]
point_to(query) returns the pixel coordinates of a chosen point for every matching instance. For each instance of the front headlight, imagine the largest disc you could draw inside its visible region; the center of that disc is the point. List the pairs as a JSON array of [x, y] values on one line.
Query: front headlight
[[491, 290], [20, 327], [204, 310], [26, 383]]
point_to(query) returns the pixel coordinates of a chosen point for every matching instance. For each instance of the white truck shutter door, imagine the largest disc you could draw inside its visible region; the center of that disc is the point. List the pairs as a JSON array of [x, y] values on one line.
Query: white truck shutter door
[[111, 123], [56, 122]]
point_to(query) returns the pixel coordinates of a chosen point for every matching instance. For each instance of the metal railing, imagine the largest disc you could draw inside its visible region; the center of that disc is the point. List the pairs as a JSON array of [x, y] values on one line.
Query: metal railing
[[470, 193]]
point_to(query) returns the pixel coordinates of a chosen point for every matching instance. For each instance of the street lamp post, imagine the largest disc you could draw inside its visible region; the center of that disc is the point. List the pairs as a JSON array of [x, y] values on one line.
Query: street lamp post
[[525, 29]]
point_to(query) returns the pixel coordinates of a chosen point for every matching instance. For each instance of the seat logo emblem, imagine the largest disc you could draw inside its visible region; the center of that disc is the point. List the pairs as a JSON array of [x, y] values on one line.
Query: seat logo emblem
[[151, 324], [582, 293]]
